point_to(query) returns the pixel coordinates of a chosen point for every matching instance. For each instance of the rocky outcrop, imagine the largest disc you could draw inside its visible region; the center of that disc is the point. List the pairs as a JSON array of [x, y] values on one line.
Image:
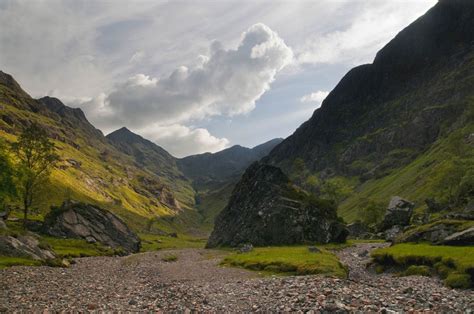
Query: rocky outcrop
[[89, 222], [265, 209], [24, 246], [465, 237], [398, 213], [359, 230]]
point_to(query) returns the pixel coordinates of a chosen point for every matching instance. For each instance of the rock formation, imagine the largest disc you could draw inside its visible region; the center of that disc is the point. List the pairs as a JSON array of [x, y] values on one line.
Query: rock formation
[[79, 220], [265, 209], [398, 213]]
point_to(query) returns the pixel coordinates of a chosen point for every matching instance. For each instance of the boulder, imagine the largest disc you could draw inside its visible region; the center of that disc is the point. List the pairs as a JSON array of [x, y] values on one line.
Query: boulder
[[2, 224], [399, 212], [265, 209], [358, 230], [465, 237], [91, 223], [24, 246], [392, 233]]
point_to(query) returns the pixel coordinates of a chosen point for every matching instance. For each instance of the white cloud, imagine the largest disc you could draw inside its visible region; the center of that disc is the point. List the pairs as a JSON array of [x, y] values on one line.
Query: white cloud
[[316, 97], [228, 83], [181, 141], [368, 31]]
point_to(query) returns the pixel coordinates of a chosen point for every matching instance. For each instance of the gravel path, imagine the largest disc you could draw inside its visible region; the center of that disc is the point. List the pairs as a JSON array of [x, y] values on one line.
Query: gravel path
[[143, 282]]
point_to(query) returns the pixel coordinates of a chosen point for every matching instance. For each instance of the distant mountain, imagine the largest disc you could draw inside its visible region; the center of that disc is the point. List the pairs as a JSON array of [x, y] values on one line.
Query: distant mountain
[[402, 125], [223, 165]]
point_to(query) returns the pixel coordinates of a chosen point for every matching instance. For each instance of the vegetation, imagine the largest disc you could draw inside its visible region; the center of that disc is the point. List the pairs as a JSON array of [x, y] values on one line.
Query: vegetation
[[455, 264], [71, 248], [152, 242], [169, 258], [7, 184], [8, 261], [35, 157], [296, 260]]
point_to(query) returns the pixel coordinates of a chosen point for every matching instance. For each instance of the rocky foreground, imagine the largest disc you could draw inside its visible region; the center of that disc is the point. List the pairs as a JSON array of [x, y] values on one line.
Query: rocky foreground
[[144, 282]]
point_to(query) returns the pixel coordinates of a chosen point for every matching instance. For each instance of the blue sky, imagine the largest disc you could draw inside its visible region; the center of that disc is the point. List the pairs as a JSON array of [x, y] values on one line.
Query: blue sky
[[195, 76]]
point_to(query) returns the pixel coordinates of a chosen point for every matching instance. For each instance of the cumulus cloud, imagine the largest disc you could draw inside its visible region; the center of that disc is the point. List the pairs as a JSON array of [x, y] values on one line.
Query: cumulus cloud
[[228, 82], [181, 141], [316, 97]]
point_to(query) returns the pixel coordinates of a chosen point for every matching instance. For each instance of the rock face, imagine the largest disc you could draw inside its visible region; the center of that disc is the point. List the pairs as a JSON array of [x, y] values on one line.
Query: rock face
[[24, 246], [79, 220], [398, 213], [265, 209], [465, 237], [358, 230]]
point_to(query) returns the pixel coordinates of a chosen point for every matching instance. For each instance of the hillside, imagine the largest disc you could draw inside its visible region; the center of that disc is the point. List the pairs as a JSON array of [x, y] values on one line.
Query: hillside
[[93, 170], [402, 125]]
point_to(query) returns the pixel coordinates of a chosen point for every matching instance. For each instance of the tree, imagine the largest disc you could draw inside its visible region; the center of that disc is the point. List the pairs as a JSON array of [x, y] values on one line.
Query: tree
[[336, 189], [7, 184], [35, 158]]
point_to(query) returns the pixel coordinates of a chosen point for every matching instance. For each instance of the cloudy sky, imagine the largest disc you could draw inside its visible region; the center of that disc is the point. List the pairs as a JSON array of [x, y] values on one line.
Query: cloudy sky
[[195, 76]]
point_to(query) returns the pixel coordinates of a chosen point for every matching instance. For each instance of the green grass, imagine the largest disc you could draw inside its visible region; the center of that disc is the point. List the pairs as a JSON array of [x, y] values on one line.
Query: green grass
[[288, 260], [152, 242], [169, 258], [8, 261], [71, 248], [444, 260]]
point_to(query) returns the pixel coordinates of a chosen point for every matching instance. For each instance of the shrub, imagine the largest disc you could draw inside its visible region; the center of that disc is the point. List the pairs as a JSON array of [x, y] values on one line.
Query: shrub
[[414, 270], [169, 258], [457, 280]]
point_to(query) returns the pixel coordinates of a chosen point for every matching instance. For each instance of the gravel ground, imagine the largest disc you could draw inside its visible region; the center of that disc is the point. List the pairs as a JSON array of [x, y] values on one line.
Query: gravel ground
[[143, 282]]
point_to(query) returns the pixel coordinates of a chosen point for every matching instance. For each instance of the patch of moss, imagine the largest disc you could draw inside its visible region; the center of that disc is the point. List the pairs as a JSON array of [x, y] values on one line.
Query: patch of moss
[[457, 280], [8, 261], [446, 260], [169, 258], [297, 260], [415, 270]]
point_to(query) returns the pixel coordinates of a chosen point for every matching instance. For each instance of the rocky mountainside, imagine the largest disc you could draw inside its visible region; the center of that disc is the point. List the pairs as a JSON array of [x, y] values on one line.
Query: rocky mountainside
[[215, 168], [401, 125], [95, 169], [265, 209]]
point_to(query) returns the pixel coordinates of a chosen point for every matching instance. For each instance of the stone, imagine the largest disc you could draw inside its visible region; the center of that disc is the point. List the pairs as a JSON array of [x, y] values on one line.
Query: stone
[[24, 246], [245, 248], [91, 223], [266, 209], [313, 249], [465, 237], [392, 233], [358, 230], [2, 224], [399, 212]]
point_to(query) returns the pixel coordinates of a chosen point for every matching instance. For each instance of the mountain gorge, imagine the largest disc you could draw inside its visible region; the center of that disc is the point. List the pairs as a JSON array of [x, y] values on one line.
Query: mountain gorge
[[123, 172]]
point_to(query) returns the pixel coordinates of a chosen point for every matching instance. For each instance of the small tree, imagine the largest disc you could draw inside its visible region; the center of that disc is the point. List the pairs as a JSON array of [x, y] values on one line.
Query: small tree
[[7, 184], [35, 157]]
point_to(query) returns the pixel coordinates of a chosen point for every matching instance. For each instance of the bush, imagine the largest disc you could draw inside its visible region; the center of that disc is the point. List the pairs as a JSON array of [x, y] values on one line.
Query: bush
[[417, 271], [169, 258], [457, 280]]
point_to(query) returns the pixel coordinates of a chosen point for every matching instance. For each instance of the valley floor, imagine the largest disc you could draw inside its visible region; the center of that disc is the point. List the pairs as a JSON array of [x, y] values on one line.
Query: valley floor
[[195, 282]]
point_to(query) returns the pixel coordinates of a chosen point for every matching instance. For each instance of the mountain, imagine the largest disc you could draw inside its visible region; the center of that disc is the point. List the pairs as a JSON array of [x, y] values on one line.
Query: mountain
[[402, 125], [219, 167], [99, 170]]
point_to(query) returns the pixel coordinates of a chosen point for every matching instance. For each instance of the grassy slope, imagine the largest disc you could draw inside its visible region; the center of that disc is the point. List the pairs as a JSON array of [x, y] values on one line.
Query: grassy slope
[[108, 181], [421, 178]]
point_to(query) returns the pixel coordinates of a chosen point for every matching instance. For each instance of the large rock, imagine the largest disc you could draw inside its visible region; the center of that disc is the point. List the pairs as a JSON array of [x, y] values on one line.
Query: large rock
[[79, 220], [465, 237], [398, 213], [265, 209], [24, 246], [359, 230]]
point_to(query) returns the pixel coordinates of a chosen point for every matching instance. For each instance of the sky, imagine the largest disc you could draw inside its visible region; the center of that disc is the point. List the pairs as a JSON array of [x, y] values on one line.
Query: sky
[[195, 76]]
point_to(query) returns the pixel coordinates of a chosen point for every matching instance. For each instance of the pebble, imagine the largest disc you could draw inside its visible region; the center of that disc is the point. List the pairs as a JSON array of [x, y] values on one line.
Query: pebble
[[195, 283]]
